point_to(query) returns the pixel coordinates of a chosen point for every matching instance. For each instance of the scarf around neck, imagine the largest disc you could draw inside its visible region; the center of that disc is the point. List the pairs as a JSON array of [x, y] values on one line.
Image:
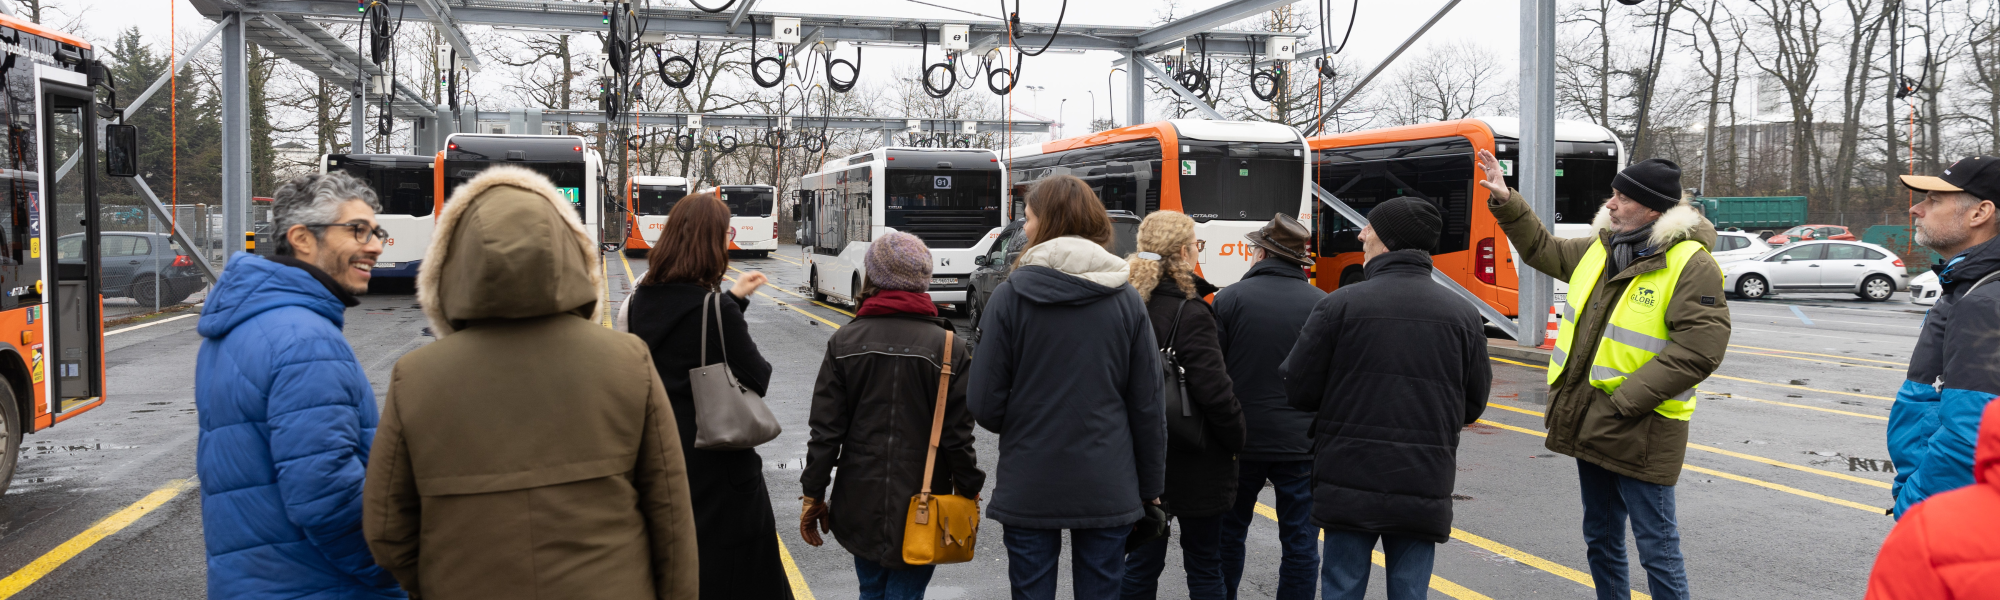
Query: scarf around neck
[[1627, 246]]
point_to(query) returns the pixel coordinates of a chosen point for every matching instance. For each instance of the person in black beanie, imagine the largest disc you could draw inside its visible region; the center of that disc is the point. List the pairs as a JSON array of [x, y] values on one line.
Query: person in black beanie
[[1644, 320], [1386, 415]]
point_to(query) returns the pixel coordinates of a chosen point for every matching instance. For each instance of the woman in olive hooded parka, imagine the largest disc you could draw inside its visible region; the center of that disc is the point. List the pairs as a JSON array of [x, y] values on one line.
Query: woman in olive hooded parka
[[529, 452]]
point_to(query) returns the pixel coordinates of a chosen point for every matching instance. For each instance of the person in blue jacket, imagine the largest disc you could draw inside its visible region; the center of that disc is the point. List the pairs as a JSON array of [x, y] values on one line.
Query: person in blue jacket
[[1955, 369], [287, 416]]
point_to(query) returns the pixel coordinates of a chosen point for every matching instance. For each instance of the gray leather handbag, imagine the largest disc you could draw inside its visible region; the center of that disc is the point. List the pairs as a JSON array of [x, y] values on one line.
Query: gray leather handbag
[[727, 415]]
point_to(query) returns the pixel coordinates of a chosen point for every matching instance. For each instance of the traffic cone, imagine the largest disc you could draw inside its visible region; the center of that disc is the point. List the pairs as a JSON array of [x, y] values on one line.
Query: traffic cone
[[1549, 341]]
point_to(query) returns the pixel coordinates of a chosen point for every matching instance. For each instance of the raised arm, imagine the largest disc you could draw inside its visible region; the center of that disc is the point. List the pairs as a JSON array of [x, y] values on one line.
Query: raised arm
[[1539, 249], [745, 362]]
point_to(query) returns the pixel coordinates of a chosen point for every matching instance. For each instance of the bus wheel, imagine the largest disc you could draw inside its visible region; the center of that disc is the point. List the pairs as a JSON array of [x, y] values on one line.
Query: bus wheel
[[13, 429], [1351, 276], [854, 293], [817, 294]]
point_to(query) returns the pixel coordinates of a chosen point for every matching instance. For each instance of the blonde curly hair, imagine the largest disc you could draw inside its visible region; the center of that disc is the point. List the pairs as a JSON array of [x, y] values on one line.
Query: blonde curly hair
[[1164, 233]]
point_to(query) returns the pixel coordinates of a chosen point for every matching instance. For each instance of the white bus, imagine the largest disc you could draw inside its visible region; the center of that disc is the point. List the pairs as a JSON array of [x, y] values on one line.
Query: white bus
[[954, 199], [406, 187], [1230, 176], [573, 167], [648, 200], [753, 218]]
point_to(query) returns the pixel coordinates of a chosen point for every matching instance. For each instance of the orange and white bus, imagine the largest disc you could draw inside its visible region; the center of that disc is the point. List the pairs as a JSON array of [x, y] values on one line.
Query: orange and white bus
[[753, 218], [1230, 176], [648, 199], [1434, 161], [51, 251], [404, 185]]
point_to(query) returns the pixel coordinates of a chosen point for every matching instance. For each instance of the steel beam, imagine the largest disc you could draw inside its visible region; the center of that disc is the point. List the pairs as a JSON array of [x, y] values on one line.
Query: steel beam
[[160, 212], [235, 93], [742, 10], [1536, 172], [806, 42], [1135, 90], [136, 102], [1485, 310], [440, 13], [1161, 37], [754, 121], [1186, 95], [1331, 108], [339, 65]]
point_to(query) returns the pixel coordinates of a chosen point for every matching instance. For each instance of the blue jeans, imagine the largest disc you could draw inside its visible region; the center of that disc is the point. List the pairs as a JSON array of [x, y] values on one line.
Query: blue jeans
[[1201, 557], [1343, 570], [883, 583], [1291, 480], [1608, 499], [1096, 566]]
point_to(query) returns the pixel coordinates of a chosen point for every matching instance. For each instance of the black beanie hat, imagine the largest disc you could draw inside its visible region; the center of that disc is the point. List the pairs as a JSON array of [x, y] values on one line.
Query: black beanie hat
[[1406, 223], [1654, 183]]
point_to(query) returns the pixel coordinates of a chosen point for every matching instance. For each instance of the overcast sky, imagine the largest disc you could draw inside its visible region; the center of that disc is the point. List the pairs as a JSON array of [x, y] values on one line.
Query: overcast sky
[[1380, 27]]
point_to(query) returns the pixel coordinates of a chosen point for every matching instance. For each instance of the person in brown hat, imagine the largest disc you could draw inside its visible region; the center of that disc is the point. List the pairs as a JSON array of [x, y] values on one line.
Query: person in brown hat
[[1261, 316]]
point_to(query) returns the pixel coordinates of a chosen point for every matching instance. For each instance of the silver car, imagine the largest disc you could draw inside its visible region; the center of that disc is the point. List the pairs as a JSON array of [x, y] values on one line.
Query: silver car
[[1866, 270]]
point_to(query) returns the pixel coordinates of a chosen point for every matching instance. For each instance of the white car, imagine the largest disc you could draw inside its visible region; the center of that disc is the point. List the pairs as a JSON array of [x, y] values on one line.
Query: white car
[[1864, 269], [1732, 246], [1924, 288]]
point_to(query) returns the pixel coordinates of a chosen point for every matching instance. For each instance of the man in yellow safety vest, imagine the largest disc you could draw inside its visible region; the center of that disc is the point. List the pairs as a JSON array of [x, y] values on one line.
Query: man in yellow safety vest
[[1644, 321]]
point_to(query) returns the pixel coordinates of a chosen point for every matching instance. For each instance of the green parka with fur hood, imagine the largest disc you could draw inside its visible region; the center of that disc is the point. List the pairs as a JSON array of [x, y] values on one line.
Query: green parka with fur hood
[[529, 452], [1620, 432]]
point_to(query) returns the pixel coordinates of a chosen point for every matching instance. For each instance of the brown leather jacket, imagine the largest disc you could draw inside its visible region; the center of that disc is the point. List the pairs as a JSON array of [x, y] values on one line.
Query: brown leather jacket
[[1621, 432], [529, 452]]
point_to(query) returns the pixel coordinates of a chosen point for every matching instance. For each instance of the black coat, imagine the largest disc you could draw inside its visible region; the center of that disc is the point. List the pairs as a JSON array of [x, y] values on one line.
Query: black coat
[[871, 417], [1261, 317], [1068, 374], [735, 530], [1200, 482], [1394, 367]]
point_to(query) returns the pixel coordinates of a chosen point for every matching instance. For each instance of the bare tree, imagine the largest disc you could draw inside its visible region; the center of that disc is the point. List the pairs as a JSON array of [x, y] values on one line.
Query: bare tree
[[1448, 81]]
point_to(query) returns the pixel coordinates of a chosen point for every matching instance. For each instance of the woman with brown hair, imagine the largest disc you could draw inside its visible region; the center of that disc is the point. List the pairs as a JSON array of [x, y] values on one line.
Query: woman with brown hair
[[1201, 452], [734, 527], [1068, 375]]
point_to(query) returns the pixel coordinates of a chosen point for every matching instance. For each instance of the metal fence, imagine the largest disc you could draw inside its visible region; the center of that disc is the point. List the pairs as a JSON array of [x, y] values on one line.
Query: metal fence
[[138, 260]]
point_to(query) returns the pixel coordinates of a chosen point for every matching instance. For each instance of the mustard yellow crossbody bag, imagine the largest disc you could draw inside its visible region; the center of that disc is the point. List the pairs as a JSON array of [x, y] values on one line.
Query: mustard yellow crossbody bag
[[941, 529]]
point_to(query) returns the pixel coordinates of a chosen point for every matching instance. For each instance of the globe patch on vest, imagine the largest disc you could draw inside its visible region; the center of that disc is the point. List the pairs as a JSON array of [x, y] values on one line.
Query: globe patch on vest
[[1645, 299]]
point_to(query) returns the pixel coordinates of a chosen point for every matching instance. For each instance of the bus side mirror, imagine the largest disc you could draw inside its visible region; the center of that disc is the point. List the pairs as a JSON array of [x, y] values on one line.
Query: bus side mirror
[[121, 150]]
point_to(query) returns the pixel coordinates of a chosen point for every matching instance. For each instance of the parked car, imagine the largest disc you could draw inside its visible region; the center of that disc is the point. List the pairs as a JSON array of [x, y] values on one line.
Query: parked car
[[1732, 246], [146, 267], [994, 267], [1811, 232], [1924, 288], [1866, 270]]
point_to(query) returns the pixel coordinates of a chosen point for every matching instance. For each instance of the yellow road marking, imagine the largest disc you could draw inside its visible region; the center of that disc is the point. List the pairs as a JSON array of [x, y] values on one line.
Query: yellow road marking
[[790, 306], [800, 591], [1906, 365], [1774, 463], [1782, 385], [1533, 561], [1756, 482], [1807, 407], [797, 295], [47, 563], [607, 294], [782, 257], [832, 308], [1437, 583], [629, 279]]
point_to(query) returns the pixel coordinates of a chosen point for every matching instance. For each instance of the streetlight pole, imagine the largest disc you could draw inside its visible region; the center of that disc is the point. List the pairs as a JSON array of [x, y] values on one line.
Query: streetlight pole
[[1035, 96], [1093, 107], [1061, 116]]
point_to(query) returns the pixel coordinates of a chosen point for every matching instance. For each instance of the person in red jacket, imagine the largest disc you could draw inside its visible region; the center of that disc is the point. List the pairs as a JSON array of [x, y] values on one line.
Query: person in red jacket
[[1948, 546]]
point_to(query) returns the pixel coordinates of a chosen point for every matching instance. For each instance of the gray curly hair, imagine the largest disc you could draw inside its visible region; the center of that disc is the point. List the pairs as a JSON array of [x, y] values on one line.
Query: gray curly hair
[[313, 199]]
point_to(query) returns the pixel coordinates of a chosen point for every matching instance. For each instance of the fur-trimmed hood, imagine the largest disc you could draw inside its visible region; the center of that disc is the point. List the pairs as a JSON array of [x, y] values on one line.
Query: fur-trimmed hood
[[508, 246], [1682, 222]]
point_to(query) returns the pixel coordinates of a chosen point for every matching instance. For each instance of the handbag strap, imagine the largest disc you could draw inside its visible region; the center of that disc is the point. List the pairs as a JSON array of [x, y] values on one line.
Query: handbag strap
[[722, 337], [937, 417], [1174, 335], [704, 330], [1982, 281]]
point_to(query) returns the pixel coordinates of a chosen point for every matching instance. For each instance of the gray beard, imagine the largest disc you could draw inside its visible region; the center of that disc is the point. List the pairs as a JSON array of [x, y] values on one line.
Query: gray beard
[[1928, 239]]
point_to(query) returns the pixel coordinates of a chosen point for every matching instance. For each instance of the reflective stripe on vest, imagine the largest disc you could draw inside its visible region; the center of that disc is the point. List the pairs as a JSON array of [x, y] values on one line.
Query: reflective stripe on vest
[[1637, 329]]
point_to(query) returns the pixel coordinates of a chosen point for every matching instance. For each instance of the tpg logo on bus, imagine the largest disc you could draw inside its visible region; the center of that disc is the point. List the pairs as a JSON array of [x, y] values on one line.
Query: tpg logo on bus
[[1235, 249]]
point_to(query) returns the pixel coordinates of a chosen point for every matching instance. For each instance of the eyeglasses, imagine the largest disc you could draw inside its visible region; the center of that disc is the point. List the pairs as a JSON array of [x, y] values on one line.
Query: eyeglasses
[[363, 232]]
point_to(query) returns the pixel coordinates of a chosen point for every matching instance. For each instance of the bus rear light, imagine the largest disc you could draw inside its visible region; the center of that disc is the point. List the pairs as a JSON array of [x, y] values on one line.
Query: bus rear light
[[183, 260], [576, 148], [453, 146], [1482, 267]]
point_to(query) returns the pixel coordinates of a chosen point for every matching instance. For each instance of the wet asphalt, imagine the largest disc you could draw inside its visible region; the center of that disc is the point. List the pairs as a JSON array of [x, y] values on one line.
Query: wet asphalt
[[1777, 502]]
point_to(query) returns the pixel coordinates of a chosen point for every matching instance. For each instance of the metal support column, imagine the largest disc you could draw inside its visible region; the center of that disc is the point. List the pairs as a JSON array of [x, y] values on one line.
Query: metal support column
[[1135, 89], [517, 122], [423, 136], [357, 118], [1537, 168], [235, 135]]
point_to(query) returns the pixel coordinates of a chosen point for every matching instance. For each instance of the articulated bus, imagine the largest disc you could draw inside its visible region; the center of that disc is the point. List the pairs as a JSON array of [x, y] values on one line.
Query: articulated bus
[[51, 318], [648, 200], [1434, 161], [406, 186], [1233, 176], [572, 166], [753, 218], [954, 199]]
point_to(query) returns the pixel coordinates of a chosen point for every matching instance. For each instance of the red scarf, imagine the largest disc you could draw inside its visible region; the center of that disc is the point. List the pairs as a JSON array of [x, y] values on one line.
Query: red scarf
[[889, 302]]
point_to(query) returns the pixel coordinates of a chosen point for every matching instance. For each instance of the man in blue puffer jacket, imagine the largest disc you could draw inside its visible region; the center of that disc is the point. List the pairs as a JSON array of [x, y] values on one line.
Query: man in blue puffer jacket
[[1955, 369], [287, 416]]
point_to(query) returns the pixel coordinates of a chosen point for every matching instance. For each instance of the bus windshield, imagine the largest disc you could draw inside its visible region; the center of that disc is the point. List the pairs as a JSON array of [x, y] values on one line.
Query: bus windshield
[[657, 200], [403, 186], [749, 202], [948, 208], [567, 176], [1436, 170], [1240, 181]]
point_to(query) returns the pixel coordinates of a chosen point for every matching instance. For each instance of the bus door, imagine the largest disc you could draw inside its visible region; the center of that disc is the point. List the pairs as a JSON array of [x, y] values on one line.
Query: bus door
[[73, 350]]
